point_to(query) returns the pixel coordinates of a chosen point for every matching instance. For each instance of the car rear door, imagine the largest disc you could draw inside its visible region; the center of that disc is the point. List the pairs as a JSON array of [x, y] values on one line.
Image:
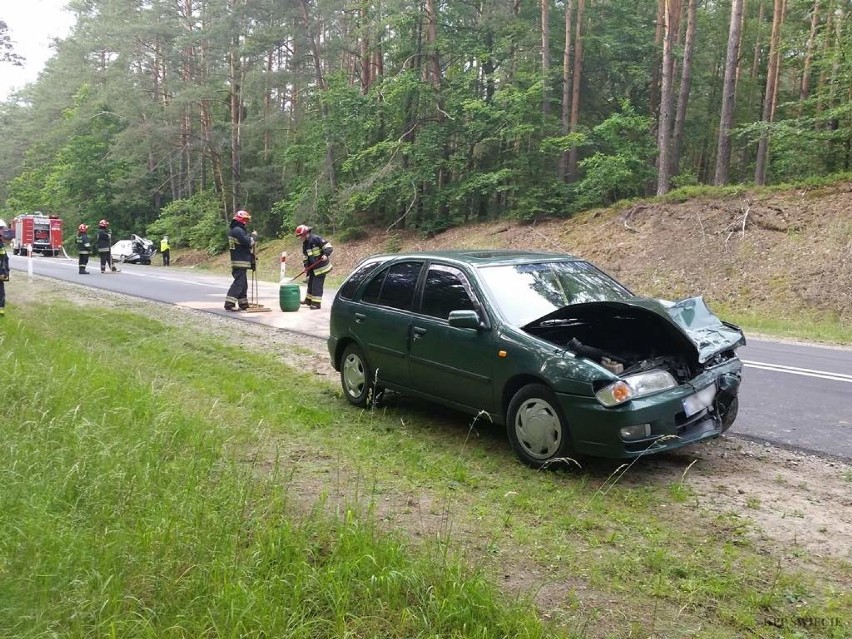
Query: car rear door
[[452, 364], [381, 321]]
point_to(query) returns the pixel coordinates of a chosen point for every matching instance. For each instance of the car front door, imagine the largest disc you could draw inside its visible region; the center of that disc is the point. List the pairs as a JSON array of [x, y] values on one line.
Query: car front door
[[450, 363], [382, 321]]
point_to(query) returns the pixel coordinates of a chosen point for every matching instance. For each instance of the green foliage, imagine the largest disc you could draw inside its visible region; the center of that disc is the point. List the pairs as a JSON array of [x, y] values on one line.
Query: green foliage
[[620, 166], [196, 222], [101, 135]]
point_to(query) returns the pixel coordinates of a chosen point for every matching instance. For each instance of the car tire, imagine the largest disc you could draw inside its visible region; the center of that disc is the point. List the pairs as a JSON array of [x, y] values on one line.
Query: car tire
[[730, 414], [536, 427], [356, 377]]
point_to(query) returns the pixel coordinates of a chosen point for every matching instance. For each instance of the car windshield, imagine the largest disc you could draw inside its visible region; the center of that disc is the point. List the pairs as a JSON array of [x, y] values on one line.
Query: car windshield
[[525, 292]]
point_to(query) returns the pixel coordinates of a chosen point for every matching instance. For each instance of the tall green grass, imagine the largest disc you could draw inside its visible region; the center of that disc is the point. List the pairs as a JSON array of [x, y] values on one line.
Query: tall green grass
[[129, 509], [159, 482]]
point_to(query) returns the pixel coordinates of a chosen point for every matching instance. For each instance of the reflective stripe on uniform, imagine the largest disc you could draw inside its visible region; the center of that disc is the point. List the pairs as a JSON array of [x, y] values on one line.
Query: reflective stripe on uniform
[[322, 270]]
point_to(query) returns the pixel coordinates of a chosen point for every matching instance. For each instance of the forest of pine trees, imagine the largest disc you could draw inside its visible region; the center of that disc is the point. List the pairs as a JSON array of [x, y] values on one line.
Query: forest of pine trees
[[168, 115]]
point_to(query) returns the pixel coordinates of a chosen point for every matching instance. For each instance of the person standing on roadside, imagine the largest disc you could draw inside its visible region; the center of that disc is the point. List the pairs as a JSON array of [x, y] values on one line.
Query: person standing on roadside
[[240, 245], [4, 267], [84, 248], [165, 250], [104, 243], [317, 263]]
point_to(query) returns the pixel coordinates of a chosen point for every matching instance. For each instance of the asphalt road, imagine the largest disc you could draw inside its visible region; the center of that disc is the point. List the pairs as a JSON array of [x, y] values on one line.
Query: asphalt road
[[793, 395]]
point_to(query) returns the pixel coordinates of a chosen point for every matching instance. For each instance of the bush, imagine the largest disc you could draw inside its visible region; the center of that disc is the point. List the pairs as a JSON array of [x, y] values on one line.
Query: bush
[[196, 222]]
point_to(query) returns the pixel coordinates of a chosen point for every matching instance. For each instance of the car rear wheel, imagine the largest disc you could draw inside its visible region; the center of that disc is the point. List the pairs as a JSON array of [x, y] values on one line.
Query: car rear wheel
[[536, 427], [356, 378]]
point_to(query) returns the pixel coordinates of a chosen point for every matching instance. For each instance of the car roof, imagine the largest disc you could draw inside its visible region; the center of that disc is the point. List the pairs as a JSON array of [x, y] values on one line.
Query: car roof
[[480, 257]]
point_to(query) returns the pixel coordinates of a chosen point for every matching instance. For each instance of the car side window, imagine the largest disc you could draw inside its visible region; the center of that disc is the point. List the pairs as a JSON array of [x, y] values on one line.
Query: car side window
[[446, 290], [394, 286], [347, 291]]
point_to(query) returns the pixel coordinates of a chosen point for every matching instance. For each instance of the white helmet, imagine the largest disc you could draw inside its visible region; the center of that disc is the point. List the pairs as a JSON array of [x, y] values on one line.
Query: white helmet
[[2, 223]]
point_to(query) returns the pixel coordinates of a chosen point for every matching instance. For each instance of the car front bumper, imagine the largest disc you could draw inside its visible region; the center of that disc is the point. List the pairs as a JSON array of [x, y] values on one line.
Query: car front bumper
[[595, 429]]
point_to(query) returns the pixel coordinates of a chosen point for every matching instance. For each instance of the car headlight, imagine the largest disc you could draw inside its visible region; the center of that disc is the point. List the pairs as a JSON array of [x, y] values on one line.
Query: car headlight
[[635, 386]]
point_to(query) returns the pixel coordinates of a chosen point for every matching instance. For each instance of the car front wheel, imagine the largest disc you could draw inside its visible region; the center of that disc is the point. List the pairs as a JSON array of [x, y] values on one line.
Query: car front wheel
[[536, 427], [730, 414], [355, 376]]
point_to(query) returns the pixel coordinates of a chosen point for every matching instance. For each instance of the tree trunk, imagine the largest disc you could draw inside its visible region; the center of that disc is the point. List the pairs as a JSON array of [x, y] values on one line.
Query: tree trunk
[[805, 87], [654, 90], [366, 69], [575, 88], [671, 20], [545, 57], [235, 73], [685, 85], [729, 97], [433, 65], [321, 85], [566, 86], [771, 94]]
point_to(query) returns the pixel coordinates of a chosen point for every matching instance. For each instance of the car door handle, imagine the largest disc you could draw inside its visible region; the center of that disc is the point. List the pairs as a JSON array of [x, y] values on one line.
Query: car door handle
[[359, 317], [418, 332]]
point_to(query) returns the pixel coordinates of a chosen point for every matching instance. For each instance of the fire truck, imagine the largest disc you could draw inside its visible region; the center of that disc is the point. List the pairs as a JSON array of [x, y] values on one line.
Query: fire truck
[[41, 232]]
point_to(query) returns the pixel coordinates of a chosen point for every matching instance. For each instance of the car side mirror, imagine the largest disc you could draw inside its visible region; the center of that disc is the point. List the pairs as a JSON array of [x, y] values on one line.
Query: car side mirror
[[464, 319]]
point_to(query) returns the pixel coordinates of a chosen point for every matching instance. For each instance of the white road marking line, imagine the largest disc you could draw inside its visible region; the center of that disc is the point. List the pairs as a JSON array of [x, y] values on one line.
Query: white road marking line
[[793, 370]]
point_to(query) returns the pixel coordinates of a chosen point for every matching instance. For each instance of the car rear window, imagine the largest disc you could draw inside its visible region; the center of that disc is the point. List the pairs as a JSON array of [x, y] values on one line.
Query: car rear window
[[394, 286], [347, 291]]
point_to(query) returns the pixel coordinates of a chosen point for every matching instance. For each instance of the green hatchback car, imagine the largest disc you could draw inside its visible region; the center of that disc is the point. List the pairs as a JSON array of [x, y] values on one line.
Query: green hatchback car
[[568, 359]]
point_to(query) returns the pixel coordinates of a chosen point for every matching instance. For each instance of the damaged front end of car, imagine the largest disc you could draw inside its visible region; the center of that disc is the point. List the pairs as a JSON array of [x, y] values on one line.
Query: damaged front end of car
[[663, 375]]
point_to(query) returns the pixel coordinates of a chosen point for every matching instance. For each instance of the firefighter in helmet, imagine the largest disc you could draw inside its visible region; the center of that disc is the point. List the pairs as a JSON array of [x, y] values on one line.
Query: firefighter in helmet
[[104, 243], [317, 264], [242, 259], [4, 267], [84, 248]]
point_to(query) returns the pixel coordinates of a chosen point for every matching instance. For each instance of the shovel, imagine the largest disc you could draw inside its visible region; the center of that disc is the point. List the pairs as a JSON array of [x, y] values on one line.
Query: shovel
[[306, 270]]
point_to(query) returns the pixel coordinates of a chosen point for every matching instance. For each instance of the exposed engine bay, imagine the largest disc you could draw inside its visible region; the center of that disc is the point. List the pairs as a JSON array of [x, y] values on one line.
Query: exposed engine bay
[[626, 339]]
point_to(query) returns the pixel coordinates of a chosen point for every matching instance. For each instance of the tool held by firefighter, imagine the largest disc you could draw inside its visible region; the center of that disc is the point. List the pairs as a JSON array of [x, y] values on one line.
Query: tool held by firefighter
[[254, 306], [305, 271]]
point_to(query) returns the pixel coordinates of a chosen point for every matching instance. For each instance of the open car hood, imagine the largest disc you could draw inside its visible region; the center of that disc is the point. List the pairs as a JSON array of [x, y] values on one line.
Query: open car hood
[[689, 323]]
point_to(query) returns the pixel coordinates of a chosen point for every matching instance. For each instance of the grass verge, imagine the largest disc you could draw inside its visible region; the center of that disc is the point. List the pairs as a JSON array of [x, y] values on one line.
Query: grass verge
[[201, 488], [805, 326], [128, 509]]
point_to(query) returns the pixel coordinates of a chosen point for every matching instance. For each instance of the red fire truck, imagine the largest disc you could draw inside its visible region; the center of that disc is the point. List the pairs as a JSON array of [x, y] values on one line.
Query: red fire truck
[[41, 232]]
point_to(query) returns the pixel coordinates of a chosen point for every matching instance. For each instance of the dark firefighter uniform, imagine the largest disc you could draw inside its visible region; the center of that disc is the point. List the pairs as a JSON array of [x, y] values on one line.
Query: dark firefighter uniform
[[104, 244], [242, 259], [317, 264], [4, 270], [84, 249]]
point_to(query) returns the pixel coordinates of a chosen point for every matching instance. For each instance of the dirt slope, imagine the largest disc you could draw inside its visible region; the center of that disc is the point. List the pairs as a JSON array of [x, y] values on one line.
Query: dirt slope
[[780, 253]]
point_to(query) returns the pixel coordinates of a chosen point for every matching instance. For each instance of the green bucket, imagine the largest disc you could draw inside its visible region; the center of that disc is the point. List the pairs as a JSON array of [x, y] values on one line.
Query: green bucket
[[289, 297]]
